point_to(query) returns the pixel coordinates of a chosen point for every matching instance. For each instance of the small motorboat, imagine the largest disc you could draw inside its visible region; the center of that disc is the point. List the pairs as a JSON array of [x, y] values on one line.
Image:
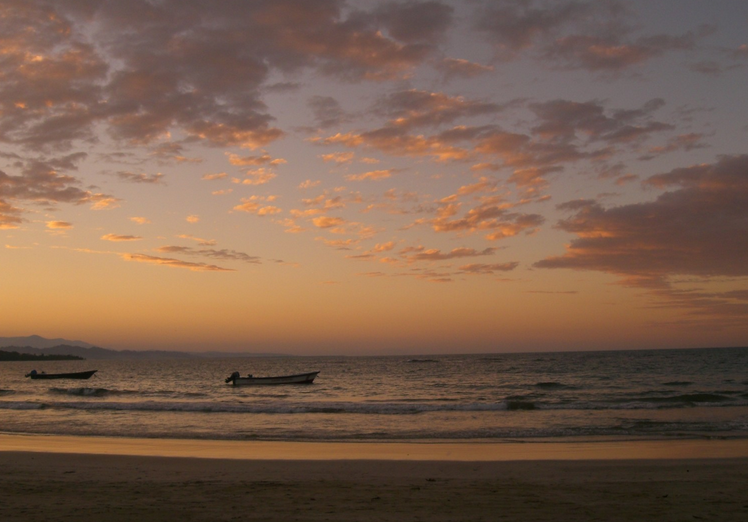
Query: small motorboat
[[75, 375], [301, 378]]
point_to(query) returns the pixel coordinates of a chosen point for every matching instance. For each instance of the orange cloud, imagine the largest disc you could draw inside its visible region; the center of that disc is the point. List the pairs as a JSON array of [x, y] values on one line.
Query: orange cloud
[[263, 159], [338, 157], [211, 177], [254, 205], [413, 254], [372, 175], [59, 225], [328, 222], [257, 177]]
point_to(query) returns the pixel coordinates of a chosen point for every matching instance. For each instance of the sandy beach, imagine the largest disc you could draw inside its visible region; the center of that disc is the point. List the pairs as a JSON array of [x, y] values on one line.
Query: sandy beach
[[69, 478]]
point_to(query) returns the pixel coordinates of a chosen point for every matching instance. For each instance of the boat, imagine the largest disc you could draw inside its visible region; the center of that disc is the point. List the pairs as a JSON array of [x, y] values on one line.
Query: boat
[[300, 378], [74, 375]]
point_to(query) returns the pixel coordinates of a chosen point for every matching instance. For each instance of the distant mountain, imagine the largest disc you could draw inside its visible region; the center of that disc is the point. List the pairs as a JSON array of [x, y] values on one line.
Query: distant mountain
[[15, 356], [36, 345], [36, 341]]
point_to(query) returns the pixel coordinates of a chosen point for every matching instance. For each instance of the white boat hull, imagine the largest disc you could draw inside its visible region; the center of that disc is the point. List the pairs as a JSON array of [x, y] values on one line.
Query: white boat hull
[[301, 378]]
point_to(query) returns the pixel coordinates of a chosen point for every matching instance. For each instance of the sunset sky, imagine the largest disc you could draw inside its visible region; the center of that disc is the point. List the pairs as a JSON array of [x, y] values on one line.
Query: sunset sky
[[365, 177]]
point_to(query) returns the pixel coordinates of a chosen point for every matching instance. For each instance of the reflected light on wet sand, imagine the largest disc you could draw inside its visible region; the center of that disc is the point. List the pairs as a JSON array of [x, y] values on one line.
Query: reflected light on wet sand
[[270, 450]]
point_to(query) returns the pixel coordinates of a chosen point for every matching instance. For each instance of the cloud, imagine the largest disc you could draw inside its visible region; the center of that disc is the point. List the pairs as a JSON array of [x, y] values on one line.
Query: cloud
[[116, 237], [44, 182], [254, 205], [140, 220], [327, 112], [212, 177], [257, 160], [712, 68], [200, 241], [417, 108], [489, 216], [563, 120], [339, 244], [560, 132], [514, 25], [481, 269], [687, 142], [741, 53], [415, 21], [59, 225], [141, 178], [338, 157], [9, 216], [175, 263], [383, 247], [308, 184], [200, 61], [169, 151], [606, 53], [372, 175], [328, 222], [457, 67], [698, 228], [595, 36], [223, 254], [192, 218], [257, 177], [413, 254]]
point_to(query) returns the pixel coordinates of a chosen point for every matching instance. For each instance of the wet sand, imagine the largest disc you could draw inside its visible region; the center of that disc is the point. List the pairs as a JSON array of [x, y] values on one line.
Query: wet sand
[[71, 478]]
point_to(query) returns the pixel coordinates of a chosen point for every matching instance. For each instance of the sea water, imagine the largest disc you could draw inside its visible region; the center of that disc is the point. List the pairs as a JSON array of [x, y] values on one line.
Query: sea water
[[654, 394]]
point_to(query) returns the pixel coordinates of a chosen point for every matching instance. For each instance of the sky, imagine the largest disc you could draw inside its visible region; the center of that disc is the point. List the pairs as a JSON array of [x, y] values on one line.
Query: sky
[[375, 177]]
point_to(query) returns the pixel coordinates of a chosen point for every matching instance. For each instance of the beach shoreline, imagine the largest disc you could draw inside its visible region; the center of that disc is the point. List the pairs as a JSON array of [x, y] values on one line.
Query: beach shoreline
[[426, 451], [52, 482], [59, 477]]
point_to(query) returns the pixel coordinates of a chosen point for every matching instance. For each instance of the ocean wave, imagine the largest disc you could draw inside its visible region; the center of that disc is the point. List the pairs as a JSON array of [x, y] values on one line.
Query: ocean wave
[[113, 392], [520, 405], [677, 383], [265, 407], [83, 392], [692, 398], [552, 385], [514, 403]]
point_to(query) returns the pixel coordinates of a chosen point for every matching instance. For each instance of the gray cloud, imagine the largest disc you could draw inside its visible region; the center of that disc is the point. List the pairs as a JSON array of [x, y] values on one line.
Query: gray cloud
[[223, 254], [186, 65], [327, 111], [417, 108], [141, 177], [698, 228], [575, 34], [415, 21]]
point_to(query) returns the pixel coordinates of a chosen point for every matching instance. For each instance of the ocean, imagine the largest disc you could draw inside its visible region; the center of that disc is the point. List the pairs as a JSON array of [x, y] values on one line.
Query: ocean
[[590, 396]]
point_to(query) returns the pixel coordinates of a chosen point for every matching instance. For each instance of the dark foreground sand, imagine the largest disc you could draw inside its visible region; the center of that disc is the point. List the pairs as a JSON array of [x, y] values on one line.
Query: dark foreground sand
[[47, 485]]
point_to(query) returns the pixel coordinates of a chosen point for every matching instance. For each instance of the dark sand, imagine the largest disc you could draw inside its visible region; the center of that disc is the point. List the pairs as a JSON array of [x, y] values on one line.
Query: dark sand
[[47, 482]]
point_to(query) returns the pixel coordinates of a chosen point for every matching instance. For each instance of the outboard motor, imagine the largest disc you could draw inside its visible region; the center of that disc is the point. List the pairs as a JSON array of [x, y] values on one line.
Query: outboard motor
[[232, 377]]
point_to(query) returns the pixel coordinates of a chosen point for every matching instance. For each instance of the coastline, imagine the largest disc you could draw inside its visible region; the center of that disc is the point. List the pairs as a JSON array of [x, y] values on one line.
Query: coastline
[[399, 451]]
